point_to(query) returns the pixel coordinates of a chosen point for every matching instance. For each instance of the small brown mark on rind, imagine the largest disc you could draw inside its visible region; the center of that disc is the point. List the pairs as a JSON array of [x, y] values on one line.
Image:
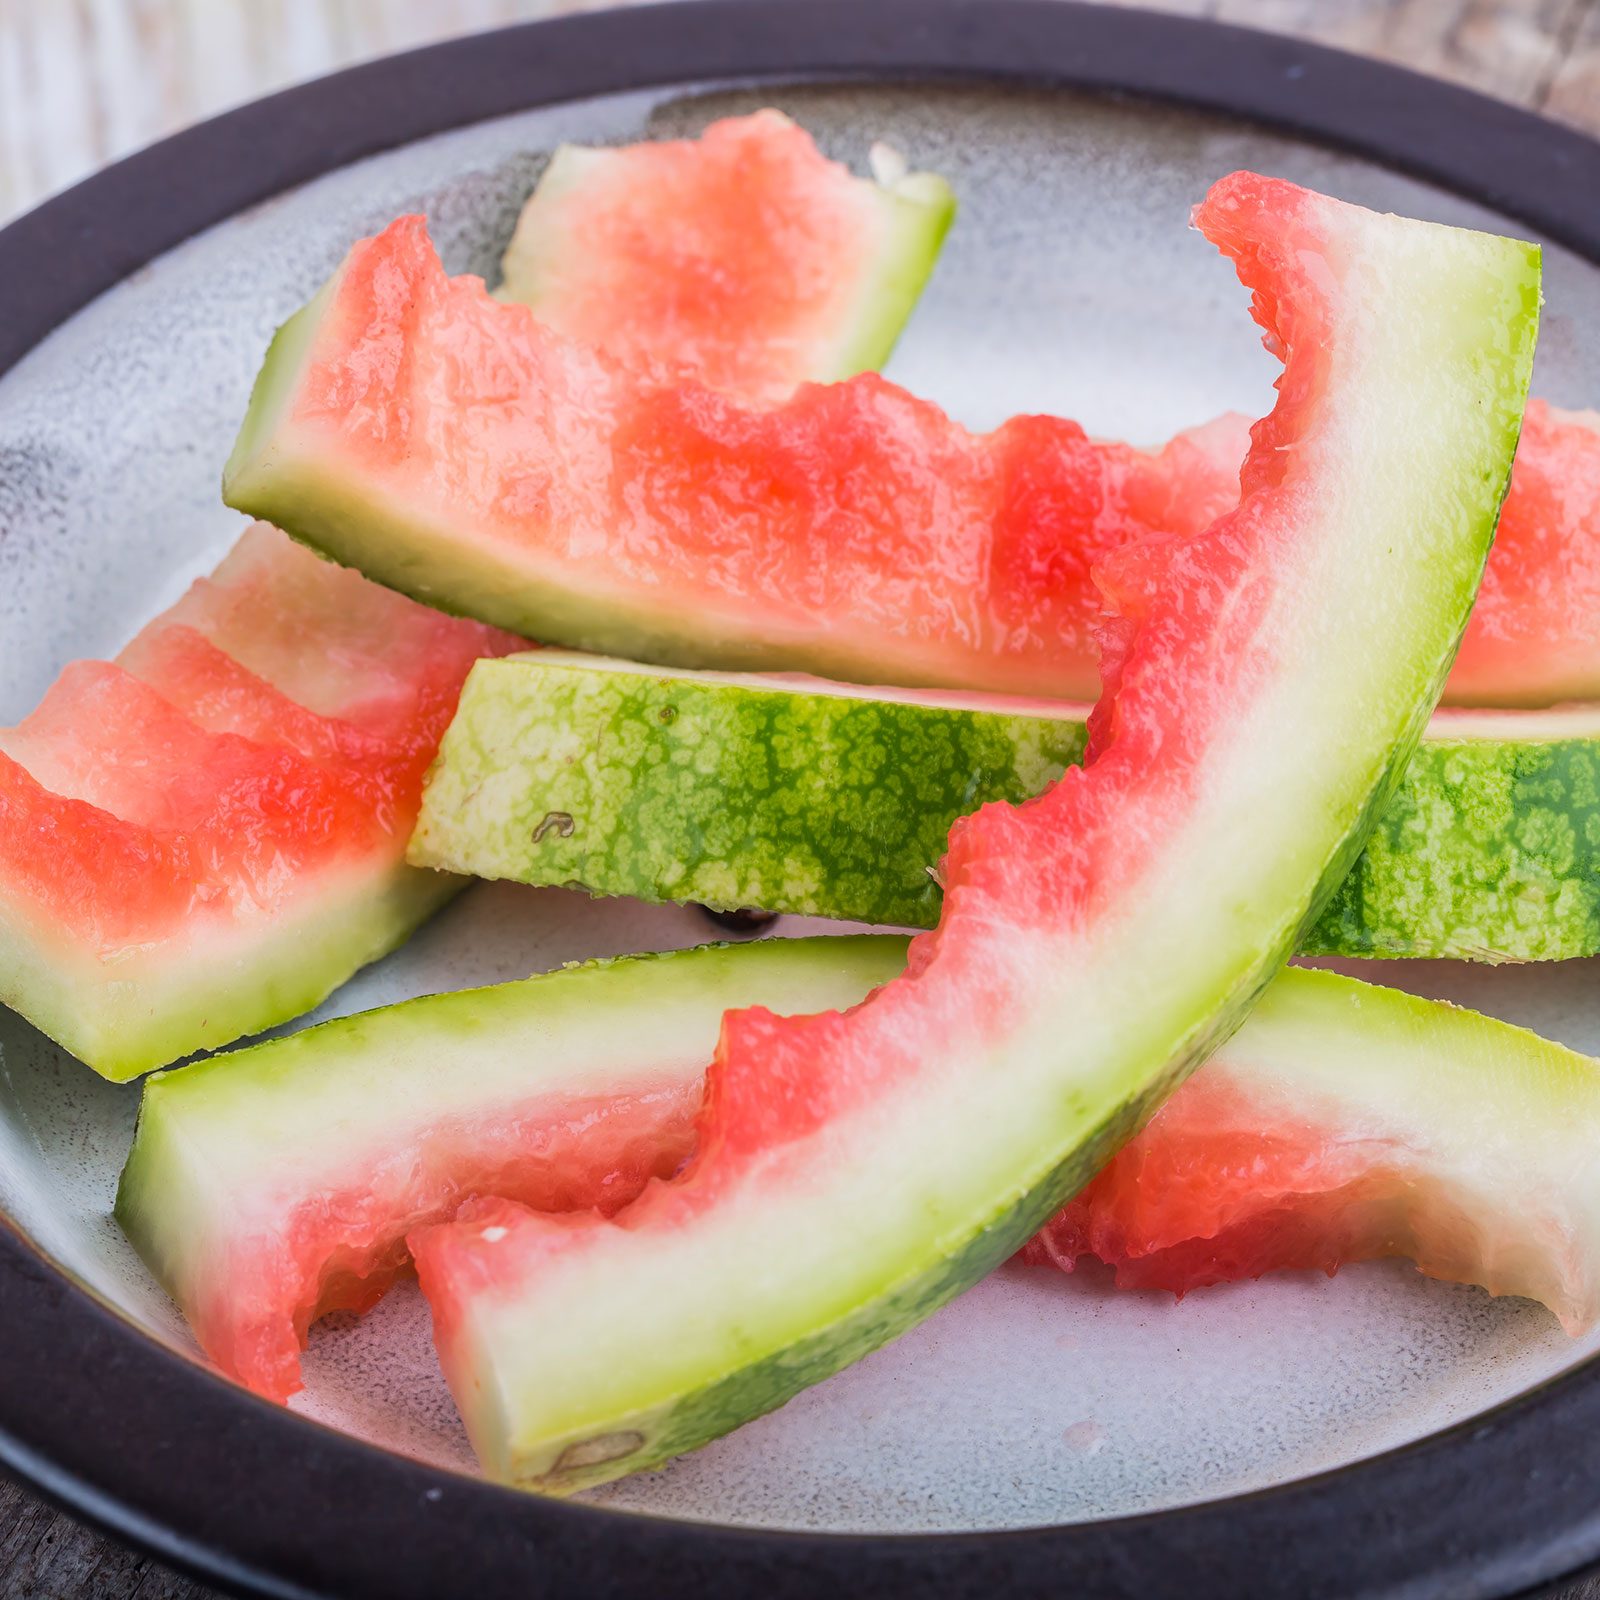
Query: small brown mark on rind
[[561, 821], [668, 714], [593, 1452]]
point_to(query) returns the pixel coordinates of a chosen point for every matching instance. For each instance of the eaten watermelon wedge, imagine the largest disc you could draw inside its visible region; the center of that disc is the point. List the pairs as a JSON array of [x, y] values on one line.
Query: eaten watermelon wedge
[[206, 837], [273, 1184], [1533, 639], [825, 799], [744, 258], [1345, 1122], [855, 1171], [453, 447], [1314, 1136]]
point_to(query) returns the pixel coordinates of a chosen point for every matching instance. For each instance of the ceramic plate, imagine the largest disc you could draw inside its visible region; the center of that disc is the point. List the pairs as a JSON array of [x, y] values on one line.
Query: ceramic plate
[[1042, 1432]]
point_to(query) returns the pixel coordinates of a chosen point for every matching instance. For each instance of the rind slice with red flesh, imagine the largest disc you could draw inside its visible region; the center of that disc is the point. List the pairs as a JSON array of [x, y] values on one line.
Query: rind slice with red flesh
[[1345, 1122], [670, 785], [1533, 639], [206, 837], [743, 257], [456, 449], [270, 1185], [854, 1171]]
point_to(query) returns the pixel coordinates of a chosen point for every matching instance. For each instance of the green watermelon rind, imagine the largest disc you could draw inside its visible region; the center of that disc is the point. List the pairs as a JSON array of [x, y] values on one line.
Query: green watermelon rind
[[662, 1337], [351, 516], [1488, 850], [451, 569], [232, 1144], [1485, 1130], [820, 800], [729, 791], [919, 210], [916, 212], [207, 987]]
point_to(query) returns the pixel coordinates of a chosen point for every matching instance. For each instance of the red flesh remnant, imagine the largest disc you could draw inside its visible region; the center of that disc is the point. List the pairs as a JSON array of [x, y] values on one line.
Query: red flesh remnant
[[654, 228], [1215, 1189], [176, 780], [340, 1251], [849, 512], [1534, 638]]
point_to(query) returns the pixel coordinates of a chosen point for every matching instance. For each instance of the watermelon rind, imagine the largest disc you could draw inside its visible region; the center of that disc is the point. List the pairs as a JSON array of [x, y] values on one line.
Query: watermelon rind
[[1478, 1131], [230, 1151], [732, 790], [221, 979], [911, 211], [300, 472], [821, 799], [1062, 998], [1488, 850], [1452, 1138], [134, 939]]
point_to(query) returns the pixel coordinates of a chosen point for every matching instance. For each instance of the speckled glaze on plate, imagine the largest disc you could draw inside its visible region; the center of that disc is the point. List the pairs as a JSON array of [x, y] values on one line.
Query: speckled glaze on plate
[[1071, 283]]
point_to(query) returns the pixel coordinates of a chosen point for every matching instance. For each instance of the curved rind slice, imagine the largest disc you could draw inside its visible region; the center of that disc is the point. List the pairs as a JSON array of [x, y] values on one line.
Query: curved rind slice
[[273, 1184], [743, 257], [1532, 640], [1345, 1122], [451, 446], [206, 837], [822, 799], [856, 1171]]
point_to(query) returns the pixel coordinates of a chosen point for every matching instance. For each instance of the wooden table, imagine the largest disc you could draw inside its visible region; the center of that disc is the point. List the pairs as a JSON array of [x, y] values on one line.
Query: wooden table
[[84, 81]]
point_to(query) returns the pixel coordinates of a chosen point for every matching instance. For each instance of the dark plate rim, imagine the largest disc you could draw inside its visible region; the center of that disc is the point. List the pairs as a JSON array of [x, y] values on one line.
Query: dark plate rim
[[161, 1452]]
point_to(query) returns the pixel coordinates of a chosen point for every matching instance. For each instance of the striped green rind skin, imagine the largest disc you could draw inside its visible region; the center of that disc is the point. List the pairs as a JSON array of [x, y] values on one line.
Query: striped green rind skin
[[675, 786], [1488, 851], [665, 787]]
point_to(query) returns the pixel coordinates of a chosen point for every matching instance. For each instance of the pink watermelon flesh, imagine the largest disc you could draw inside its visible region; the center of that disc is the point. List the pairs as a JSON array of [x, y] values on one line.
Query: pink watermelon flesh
[[190, 792], [463, 451], [270, 1185], [737, 257], [1346, 1123], [341, 1250], [1533, 639], [1217, 1188]]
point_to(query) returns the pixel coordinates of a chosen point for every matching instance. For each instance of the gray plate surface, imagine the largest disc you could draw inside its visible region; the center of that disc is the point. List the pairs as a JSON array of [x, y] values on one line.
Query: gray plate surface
[[1071, 284]]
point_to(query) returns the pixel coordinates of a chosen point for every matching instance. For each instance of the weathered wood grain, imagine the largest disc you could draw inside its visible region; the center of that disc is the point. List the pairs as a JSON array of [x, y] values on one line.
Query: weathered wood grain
[[85, 81], [44, 1556], [1573, 89]]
